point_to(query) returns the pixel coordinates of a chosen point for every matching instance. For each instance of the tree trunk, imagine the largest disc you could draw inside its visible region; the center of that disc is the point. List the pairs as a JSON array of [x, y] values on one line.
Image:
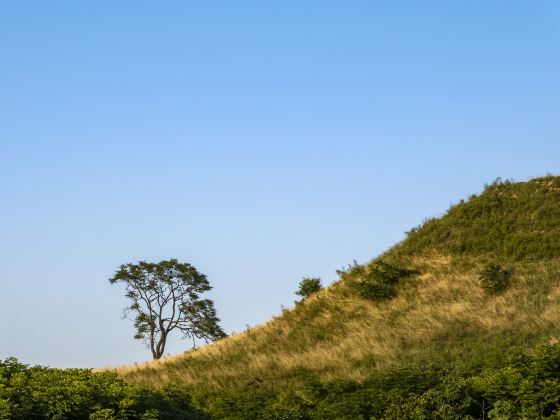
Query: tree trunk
[[160, 348]]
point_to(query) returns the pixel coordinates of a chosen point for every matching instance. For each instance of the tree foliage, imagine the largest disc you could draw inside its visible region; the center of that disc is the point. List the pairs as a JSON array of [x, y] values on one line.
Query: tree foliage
[[165, 297]]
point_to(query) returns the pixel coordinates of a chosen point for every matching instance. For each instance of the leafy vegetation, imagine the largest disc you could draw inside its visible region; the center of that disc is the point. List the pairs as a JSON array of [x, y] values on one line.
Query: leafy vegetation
[[308, 286], [523, 386], [380, 280], [494, 279], [515, 384], [42, 393]]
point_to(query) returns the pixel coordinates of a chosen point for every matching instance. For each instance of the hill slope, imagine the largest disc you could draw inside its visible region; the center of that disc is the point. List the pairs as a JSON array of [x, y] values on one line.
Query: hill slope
[[345, 341]]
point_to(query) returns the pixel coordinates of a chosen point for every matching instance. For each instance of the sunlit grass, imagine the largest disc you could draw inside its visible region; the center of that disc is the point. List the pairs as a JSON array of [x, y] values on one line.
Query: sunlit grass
[[337, 334]]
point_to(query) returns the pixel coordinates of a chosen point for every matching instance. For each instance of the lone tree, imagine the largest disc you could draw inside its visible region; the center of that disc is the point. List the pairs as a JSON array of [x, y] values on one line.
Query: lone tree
[[166, 297]]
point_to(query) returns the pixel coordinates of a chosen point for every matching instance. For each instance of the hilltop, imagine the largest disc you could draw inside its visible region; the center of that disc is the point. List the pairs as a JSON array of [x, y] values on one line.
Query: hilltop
[[408, 328], [509, 220]]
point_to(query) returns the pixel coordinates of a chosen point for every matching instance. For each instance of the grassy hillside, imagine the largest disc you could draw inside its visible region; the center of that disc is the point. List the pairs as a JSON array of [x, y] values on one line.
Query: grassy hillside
[[347, 347], [513, 221]]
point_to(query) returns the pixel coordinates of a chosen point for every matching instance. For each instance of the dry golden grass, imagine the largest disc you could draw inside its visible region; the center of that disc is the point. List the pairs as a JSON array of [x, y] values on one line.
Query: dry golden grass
[[337, 334]]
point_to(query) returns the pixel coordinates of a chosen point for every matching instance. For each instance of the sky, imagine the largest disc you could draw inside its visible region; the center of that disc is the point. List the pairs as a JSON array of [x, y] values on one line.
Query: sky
[[261, 142]]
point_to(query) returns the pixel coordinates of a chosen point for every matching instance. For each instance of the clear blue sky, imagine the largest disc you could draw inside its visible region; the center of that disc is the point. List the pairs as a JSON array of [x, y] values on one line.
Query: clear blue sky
[[260, 141]]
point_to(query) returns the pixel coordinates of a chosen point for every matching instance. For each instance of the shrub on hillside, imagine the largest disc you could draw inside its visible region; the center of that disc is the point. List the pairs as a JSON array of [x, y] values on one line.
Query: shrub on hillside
[[494, 279], [309, 286], [375, 290], [380, 282], [351, 271]]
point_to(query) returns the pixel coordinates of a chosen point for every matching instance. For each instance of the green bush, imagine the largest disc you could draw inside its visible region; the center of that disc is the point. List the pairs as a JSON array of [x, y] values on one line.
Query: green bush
[[309, 286], [43, 393], [379, 283], [494, 279], [351, 270], [375, 290]]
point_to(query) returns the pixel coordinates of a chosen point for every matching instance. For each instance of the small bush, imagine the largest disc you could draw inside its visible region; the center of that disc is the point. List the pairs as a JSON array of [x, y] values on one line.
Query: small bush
[[309, 286], [494, 279], [375, 290], [380, 282], [352, 270]]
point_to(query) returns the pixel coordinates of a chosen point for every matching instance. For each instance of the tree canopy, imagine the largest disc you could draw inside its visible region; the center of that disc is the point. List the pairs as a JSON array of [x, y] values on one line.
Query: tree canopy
[[164, 297]]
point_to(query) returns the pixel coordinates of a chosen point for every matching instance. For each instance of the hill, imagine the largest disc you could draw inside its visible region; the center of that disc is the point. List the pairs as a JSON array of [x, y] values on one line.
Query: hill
[[509, 220], [408, 333]]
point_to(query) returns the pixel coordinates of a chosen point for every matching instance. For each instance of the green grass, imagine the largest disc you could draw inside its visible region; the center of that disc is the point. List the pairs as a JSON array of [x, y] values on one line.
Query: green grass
[[509, 220]]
